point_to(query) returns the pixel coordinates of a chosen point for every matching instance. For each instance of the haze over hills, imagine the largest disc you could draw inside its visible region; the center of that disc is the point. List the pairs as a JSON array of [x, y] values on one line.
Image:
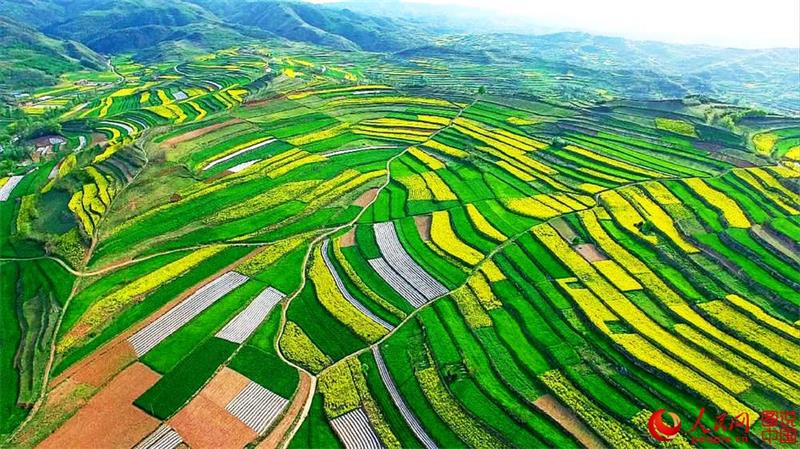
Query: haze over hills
[[152, 29]]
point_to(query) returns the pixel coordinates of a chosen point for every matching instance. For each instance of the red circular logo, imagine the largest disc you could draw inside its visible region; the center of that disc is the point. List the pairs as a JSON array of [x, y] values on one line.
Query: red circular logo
[[659, 429]]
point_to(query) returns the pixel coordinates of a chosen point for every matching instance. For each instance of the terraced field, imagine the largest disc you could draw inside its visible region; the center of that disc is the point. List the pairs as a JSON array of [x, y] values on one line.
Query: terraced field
[[289, 251]]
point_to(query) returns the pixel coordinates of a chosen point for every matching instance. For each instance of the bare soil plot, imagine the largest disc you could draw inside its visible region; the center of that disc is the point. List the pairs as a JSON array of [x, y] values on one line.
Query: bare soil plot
[[366, 198], [203, 424], [423, 223], [564, 416], [349, 239], [589, 252], [199, 132], [224, 386], [109, 420], [100, 369], [98, 139], [279, 432]]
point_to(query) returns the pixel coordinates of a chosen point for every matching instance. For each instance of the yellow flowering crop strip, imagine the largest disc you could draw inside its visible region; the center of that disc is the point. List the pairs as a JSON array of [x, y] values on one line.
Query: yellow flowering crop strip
[[752, 331], [518, 173], [745, 176], [445, 238], [445, 149], [482, 224], [464, 425], [529, 207], [416, 187], [774, 184], [305, 160], [261, 202], [105, 105], [75, 204], [613, 162], [425, 158], [346, 188], [752, 371], [676, 126], [618, 435], [307, 93], [601, 175], [393, 100], [433, 119], [271, 254], [401, 123], [609, 245], [648, 354], [104, 190], [765, 142], [327, 133], [388, 133], [624, 308], [494, 136], [765, 318], [360, 284], [201, 113], [296, 345], [329, 185], [617, 275], [483, 291], [331, 298], [731, 212], [625, 214], [338, 390], [492, 271], [659, 218], [108, 307], [440, 190]]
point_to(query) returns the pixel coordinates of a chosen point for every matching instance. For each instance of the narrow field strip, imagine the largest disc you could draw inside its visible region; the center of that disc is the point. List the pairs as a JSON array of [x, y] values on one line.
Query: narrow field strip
[[355, 430], [403, 264], [8, 187], [396, 281], [243, 166], [237, 153], [256, 406], [242, 326], [343, 290], [408, 415], [165, 437], [147, 338]]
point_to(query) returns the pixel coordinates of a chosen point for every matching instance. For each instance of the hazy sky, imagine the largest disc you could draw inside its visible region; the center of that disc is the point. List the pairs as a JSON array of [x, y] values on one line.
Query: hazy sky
[[734, 23]]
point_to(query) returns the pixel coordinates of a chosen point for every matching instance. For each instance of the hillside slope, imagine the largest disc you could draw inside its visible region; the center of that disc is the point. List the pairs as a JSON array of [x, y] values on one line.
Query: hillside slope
[[32, 59]]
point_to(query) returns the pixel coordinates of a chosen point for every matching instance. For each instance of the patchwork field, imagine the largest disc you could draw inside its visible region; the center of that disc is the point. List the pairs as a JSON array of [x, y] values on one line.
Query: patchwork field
[[291, 252]]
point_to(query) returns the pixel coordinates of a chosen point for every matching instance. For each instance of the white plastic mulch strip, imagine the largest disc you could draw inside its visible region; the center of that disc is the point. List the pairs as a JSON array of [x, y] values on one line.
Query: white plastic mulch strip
[[343, 290], [243, 166], [256, 406], [237, 153], [165, 437], [122, 125], [355, 430], [397, 257], [8, 187], [408, 292], [242, 326], [147, 338], [408, 415]]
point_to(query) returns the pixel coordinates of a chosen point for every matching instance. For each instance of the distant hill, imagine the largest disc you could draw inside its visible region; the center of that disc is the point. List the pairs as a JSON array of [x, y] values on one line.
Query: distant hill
[[31, 59], [336, 28]]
